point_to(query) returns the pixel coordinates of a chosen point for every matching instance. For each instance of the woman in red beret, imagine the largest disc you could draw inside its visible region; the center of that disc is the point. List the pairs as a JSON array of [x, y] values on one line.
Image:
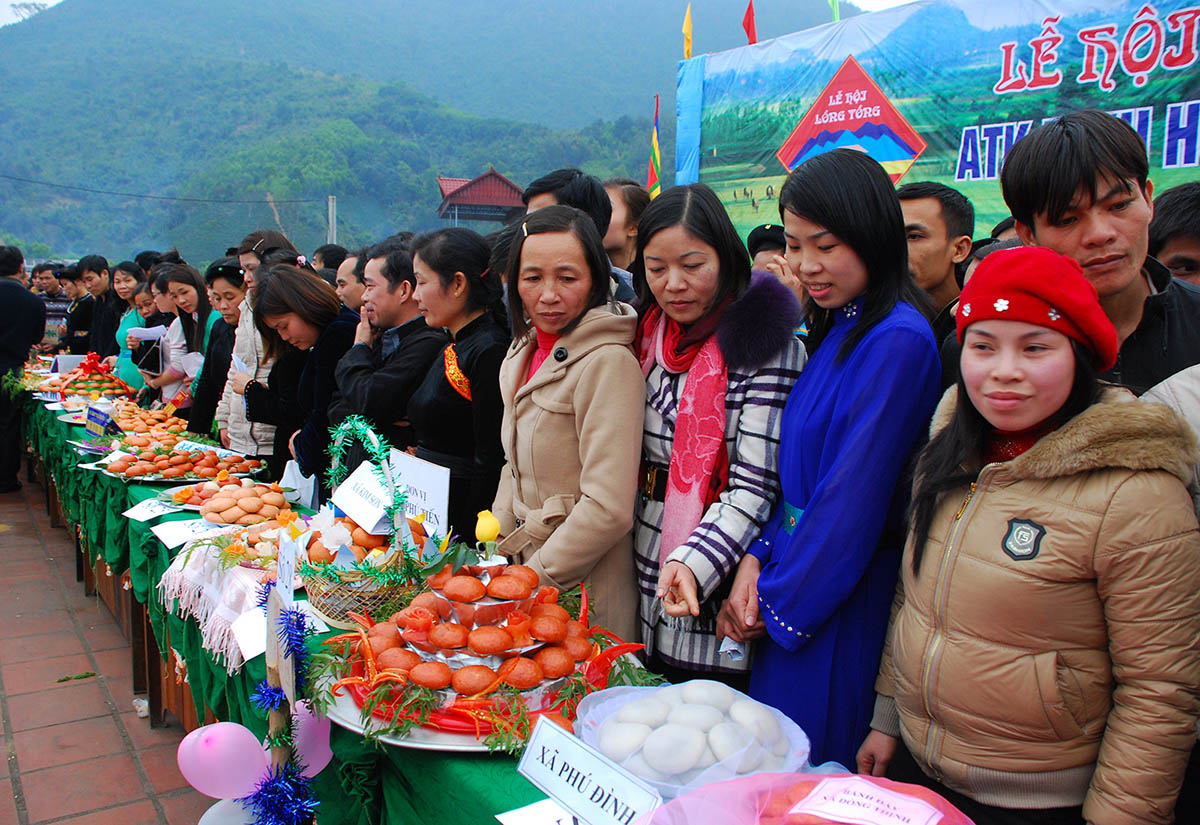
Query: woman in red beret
[[1043, 658]]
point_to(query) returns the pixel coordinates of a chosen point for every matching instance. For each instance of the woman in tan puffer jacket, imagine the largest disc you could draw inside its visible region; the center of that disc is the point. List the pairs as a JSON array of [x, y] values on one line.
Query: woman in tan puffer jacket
[[1043, 658]]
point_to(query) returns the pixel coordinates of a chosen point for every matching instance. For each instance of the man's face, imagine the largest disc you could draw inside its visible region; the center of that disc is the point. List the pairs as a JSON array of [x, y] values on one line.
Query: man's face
[[931, 253], [96, 282], [46, 282], [1107, 236], [1181, 255], [384, 308], [348, 288], [540, 202]]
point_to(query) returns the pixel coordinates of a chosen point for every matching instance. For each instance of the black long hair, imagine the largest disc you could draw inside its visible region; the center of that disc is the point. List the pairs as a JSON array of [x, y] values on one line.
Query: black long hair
[[849, 194], [456, 249], [954, 456], [697, 209], [193, 329]]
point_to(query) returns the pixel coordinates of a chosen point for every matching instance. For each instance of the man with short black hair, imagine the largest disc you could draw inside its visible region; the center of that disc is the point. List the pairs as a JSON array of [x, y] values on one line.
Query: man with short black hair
[[1080, 186], [107, 311], [348, 283], [393, 348], [1175, 231], [938, 222], [57, 302], [22, 321], [76, 333], [585, 192], [329, 256]]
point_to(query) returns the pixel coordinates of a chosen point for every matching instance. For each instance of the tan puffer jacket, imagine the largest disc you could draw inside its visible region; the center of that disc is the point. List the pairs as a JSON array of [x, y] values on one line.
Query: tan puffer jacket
[[1049, 652]]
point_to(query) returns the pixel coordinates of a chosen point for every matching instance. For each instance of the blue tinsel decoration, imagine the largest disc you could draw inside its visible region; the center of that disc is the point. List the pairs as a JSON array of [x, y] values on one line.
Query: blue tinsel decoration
[[284, 797], [293, 630], [267, 698], [262, 594]]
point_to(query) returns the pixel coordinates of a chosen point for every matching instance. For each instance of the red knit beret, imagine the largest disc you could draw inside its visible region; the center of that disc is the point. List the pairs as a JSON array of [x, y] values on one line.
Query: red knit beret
[[1038, 286]]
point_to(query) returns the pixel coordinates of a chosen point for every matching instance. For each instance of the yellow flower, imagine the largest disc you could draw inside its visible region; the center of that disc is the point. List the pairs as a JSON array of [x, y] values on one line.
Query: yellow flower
[[487, 528]]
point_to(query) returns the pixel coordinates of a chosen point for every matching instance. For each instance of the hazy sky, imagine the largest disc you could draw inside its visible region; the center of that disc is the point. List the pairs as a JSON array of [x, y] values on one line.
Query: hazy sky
[[7, 16]]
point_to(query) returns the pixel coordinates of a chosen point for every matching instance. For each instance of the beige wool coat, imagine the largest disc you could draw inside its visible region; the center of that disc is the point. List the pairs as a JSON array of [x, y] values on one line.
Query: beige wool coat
[[1048, 653], [572, 437]]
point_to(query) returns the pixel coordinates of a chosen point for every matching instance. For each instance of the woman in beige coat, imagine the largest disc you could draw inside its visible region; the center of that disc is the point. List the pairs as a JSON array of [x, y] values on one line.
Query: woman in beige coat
[[572, 430]]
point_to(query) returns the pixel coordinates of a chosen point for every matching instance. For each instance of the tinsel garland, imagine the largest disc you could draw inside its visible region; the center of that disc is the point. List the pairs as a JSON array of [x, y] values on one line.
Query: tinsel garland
[[267, 697], [282, 739], [284, 797], [355, 427], [406, 572]]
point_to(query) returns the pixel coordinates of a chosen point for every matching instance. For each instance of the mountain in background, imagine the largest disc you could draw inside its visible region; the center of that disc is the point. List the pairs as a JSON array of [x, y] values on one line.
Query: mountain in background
[[369, 101]]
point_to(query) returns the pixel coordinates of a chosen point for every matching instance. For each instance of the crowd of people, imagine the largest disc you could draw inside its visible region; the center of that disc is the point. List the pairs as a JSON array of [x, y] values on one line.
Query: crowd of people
[[890, 479]]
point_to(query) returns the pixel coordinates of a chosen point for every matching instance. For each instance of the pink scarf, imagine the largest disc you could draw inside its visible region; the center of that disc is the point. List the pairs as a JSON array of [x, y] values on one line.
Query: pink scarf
[[699, 468]]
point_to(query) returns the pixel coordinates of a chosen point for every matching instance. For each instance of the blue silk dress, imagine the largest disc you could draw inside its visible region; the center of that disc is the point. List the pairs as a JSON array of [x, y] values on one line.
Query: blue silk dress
[[831, 551]]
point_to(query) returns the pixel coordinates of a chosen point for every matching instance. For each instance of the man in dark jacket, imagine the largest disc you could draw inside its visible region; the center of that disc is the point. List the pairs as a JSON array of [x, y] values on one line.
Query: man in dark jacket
[[22, 322], [1079, 185], [93, 271], [393, 350]]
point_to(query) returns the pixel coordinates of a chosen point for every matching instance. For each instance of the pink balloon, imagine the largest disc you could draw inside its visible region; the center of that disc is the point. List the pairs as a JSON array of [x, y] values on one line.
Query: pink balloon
[[222, 760], [310, 739]]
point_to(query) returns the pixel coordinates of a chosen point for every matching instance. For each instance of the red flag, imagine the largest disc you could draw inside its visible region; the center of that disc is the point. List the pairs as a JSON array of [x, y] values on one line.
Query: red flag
[[748, 24]]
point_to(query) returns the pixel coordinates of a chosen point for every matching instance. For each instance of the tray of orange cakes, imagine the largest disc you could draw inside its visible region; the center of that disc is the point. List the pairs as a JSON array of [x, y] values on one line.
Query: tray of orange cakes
[[471, 662], [88, 379]]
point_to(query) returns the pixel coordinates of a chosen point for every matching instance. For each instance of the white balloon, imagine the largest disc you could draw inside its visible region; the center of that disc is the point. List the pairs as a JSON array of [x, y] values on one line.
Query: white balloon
[[227, 812]]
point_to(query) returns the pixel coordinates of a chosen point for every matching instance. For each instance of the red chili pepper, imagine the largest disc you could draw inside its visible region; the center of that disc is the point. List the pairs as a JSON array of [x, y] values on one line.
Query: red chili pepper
[[597, 669], [583, 606]]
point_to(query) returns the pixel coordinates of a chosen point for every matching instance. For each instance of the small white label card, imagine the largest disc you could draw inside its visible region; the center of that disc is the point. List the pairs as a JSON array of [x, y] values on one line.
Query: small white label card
[[857, 801], [185, 446], [250, 629], [428, 492], [175, 533], [364, 498], [546, 812], [151, 508], [582, 780]]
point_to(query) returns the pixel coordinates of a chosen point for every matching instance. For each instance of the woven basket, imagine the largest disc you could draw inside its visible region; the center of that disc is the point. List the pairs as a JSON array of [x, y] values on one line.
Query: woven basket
[[353, 592]]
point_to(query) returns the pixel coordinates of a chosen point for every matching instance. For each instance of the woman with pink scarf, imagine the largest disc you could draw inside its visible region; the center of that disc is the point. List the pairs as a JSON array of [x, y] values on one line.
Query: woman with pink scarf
[[719, 355]]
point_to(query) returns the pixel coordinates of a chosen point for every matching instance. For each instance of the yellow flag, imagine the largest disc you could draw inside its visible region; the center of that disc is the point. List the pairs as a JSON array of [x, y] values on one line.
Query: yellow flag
[[687, 33]]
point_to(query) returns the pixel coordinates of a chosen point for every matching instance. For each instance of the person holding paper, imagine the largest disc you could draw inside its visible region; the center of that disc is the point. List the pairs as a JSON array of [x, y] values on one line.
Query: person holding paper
[[76, 332], [572, 430], [187, 337], [226, 289]]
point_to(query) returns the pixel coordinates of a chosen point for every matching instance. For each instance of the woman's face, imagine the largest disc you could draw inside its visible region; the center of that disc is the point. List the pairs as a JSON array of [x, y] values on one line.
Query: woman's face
[[163, 302], [683, 272], [294, 330], [144, 302], [554, 281], [441, 306], [248, 262], [184, 296], [1016, 374], [827, 267], [227, 299], [123, 284]]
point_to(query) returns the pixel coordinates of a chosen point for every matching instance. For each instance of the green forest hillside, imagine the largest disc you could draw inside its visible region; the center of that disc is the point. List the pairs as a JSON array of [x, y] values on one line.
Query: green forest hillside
[[224, 101]]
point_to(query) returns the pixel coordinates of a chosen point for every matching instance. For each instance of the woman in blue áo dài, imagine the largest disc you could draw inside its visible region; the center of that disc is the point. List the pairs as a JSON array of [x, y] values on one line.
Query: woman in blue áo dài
[[818, 583]]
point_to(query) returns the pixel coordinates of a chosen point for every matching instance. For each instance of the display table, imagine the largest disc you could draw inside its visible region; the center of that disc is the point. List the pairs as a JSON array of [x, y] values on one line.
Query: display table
[[363, 785]]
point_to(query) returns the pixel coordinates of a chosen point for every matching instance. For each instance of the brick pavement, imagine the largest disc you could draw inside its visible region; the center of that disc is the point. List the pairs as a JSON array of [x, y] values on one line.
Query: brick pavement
[[77, 752]]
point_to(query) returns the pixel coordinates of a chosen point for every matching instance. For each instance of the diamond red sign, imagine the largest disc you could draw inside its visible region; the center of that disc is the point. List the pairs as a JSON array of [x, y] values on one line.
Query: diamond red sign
[[852, 112]]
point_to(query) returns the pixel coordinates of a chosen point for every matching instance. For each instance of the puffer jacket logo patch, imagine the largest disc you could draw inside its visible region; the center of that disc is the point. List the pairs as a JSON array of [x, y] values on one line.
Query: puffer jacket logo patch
[[1024, 538]]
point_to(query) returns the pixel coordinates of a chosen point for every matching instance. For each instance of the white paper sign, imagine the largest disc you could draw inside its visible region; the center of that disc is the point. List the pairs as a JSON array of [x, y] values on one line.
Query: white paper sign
[[250, 629], [854, 800], [185, 446], [546, 812], [148, 333], [428, 487], [239, 365], [364, 498], [150, 508], [174, 533], [582, 780]]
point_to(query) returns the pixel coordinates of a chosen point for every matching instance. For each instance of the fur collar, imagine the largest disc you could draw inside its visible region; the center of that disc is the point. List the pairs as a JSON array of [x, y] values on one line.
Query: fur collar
[[757, 326], [1117, 432]]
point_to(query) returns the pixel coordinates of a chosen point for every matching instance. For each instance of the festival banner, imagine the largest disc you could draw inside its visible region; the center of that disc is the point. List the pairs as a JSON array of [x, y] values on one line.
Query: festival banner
[[938, 90]]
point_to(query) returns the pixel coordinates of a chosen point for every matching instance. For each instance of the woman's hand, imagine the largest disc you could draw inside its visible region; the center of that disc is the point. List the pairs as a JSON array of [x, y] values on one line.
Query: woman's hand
[[778, 267], [110, 361], [131, 343], [239, 380], [876, 753], [151, 381], [224, 436], [678, 589], [739, 618], [364, 333]]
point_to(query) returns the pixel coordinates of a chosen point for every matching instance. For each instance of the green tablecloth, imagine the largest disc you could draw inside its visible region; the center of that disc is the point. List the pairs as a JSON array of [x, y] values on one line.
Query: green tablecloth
[[362, 785]]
